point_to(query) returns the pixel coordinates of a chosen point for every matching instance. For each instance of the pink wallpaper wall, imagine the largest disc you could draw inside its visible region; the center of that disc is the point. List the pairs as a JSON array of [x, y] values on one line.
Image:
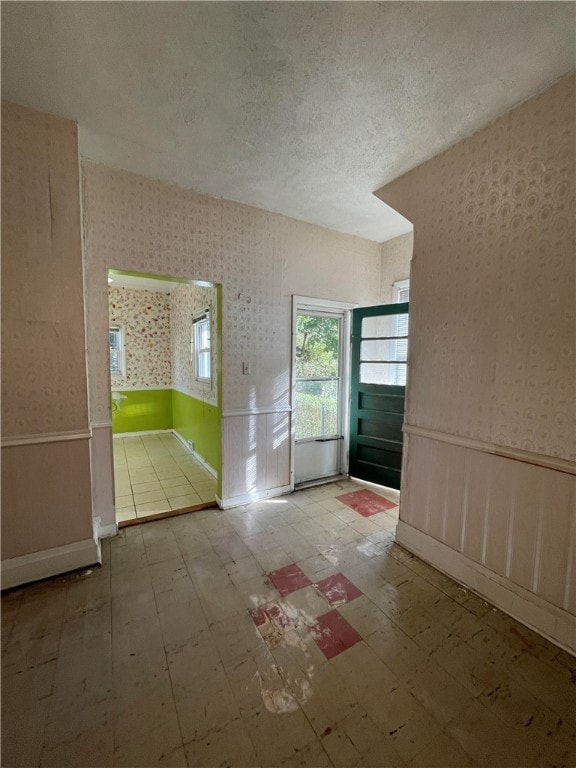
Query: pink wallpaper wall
[[139, 224], [396, 256], [492, 296], [145, 317], [44, 390], [43, 366], [488, 493]]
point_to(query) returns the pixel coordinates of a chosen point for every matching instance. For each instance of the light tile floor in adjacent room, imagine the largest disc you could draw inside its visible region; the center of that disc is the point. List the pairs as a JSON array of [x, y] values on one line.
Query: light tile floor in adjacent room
[[289, 632], [156, 473]]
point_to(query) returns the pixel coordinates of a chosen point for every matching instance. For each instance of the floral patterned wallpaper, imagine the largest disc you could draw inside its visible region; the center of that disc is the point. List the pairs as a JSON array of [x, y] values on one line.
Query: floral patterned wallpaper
[[145, 317], [187, 301]]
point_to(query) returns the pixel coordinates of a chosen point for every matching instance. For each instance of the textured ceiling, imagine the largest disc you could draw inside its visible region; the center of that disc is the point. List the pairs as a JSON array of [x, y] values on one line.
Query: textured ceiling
[[302, 108]]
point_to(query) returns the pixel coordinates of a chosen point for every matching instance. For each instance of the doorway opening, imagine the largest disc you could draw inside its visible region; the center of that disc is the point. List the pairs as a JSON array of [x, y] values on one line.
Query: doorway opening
[[320, 373], [348, 390], [165, 376]]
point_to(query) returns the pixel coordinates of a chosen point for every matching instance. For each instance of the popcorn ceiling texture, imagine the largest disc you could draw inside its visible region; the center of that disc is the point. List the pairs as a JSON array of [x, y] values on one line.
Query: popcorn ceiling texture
[[492, 295], [145, 317]]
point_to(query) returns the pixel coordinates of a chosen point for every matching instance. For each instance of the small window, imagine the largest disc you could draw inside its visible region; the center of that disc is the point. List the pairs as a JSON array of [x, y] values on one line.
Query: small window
[[116, 344], [401, 290], [201, 347], [401, 295]]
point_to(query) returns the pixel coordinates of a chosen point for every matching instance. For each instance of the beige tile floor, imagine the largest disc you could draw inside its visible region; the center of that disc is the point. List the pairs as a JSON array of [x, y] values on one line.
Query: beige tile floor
[[155, 659], [156, 473]]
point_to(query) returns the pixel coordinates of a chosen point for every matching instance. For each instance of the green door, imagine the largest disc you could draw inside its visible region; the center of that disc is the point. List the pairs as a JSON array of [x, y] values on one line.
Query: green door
[[377, 386]]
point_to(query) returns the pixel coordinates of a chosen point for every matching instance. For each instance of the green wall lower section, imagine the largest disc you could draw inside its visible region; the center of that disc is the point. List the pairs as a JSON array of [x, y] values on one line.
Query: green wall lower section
[[145, 410], [200, 422], [142, 410]]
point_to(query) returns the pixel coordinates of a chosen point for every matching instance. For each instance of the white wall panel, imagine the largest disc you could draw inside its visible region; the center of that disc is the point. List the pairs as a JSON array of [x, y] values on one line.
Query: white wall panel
[[524, 514]]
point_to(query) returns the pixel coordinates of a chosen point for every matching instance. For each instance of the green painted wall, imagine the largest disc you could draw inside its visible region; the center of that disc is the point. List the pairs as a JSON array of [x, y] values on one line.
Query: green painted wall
[[143, 410], [200, 422]]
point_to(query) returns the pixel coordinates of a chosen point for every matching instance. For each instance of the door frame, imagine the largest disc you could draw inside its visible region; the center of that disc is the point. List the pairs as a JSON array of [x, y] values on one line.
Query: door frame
[[308, 303], [393, 390]]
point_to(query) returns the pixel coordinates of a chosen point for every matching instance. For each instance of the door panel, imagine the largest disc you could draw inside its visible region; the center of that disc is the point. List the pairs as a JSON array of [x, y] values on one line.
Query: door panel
[[378, 376], [317, 394], [314, 460]]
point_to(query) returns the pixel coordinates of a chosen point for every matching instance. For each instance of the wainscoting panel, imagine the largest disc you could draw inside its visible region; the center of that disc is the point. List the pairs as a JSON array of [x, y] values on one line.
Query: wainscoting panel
[[514, 518], [256, 452]]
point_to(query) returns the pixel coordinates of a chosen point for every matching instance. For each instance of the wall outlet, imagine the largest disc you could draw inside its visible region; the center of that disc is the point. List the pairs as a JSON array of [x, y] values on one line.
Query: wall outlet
[[190, 444], [246, 368]]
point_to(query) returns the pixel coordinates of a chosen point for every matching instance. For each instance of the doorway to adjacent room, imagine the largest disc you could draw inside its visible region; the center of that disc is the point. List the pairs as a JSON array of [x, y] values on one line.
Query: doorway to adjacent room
[[163, 339]]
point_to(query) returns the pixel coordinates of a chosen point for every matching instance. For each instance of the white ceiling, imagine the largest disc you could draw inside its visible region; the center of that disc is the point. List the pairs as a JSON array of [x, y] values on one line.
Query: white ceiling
[[303, 108]]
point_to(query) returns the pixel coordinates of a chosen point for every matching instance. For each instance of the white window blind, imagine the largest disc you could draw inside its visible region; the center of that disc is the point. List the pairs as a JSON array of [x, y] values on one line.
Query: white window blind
[[401, 295]]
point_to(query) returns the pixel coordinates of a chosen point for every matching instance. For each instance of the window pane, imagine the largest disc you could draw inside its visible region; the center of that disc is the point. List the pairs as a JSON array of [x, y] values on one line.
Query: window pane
[[384, 349], [387, 325], [115, 346], [204, 364], [316, 408], [317, 346], [201, 348], [381, 350], [386, 373]]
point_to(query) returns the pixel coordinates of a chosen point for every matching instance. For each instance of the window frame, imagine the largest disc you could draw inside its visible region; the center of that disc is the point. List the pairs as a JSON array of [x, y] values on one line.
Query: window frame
[[119, 330], [397, 288], [401, 372], [200, 320]]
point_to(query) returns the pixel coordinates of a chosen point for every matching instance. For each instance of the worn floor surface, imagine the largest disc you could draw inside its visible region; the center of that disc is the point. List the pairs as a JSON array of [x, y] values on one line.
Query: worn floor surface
[[292, 632]]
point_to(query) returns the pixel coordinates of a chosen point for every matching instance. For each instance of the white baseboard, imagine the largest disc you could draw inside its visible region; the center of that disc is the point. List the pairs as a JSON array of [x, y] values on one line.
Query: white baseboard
[[553, 623], [199, 459], [238, 501], [104, 531], [50, 562], [144, 433]]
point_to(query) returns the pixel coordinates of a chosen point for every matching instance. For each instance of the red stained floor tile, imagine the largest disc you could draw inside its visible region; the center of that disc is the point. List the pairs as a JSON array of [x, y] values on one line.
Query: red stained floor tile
[[289, 579], [338, 589], [366, 502], [258, 616], [274, 620], [333, 634]]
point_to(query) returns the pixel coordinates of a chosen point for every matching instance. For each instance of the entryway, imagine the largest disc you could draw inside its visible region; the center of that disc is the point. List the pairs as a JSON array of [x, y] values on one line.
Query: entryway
[[378, 383], [348, 390], [163, 339], [320, 389]]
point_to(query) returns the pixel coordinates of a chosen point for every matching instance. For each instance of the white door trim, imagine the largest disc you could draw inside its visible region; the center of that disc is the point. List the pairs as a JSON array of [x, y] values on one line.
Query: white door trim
[[344, 308]]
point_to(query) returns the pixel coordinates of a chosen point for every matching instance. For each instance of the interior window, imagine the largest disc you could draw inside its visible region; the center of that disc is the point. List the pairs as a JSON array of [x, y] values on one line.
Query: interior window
[[116, 344], [401, 294], [201, 346]]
